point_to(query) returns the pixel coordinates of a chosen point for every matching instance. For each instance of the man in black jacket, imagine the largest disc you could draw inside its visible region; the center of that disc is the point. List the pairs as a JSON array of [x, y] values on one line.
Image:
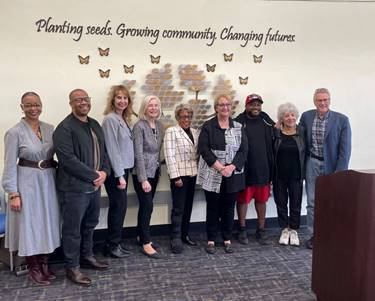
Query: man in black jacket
[[259, 129], [83, 167]]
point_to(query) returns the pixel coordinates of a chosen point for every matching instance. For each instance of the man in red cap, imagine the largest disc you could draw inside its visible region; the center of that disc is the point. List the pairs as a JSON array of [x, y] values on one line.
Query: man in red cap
[[259, 128]]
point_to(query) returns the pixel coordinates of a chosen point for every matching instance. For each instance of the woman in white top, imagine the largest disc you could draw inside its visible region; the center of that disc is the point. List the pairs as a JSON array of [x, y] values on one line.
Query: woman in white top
[[119, 144], [180, 149]]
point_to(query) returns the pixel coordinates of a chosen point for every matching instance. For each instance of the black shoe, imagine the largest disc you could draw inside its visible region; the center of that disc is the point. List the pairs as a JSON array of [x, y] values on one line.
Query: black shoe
[[310, 243], [210, 249], [228, 248], [187, 240], [155, 255], [125, 249], [176, 246], [118, 252], [77, 277], [93, 263], [261, 237], [242, 237]]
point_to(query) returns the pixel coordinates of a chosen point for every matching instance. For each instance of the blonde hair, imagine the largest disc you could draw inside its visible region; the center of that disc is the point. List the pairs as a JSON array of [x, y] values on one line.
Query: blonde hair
[[110, 106], [217, 98], [144, 104]]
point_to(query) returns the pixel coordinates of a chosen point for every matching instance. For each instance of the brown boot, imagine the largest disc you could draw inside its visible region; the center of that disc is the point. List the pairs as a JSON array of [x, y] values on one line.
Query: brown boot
[[43, 261], [35, 273]]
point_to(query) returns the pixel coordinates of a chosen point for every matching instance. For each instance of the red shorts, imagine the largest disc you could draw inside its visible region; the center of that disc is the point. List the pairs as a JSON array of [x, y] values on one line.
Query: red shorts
[[259, 193]]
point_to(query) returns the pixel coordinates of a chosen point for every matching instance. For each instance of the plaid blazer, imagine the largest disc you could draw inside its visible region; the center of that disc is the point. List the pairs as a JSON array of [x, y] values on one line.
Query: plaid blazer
[[180, 152]]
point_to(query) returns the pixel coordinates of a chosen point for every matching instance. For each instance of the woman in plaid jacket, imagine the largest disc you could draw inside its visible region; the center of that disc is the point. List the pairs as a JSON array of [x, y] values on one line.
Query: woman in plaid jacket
[[181, 158]]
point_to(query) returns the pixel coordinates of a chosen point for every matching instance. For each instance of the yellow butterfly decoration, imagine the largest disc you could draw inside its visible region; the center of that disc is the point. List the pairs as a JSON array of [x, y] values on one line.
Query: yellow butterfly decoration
[[129, 69], [84, 60], [257, 59], [103, 52], [155, 59], [210, 68], [243, 81], [228, 57], [104, 74]]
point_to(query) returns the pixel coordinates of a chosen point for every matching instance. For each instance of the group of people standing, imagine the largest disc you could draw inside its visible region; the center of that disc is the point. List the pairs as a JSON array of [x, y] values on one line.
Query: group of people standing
[[234, 161]]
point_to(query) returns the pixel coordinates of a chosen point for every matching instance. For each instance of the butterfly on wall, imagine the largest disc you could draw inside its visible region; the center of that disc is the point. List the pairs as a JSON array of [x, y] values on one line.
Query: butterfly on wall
[[155, 59], [104, 74], [84, 60], [243, 81], [257, 59], [129, 69], [103, 52], [211, 68], [228, 57]]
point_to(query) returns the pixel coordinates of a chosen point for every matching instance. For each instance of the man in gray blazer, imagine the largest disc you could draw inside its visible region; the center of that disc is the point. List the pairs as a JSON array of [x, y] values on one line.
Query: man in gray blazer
[[328, 147]]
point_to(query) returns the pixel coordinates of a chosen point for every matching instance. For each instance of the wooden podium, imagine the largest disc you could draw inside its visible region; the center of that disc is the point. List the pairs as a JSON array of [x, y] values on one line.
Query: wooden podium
[[343, 266]]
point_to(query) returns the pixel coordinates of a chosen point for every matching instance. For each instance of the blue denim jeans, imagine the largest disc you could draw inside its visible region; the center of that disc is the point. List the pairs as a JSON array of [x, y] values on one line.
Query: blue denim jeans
[[314, 169]]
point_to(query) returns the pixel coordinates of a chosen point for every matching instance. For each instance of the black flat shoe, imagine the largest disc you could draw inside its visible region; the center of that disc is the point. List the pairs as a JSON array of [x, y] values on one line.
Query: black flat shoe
[[118, 252], [210, 249], [125, 249], [187, 240], [310, 243], [228, 248], [176, 246], [155, 255]]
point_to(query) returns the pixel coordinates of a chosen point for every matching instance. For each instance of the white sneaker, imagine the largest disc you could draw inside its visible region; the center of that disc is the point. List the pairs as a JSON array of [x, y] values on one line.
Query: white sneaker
[[294, 240], [284, 237]]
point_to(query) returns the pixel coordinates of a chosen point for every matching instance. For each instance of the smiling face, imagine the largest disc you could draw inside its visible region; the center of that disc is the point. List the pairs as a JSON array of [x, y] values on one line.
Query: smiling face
[[254, 108], [152, 109], [223, 107], [80, 103], [184, 119], [120, 102], [289, 120], [322, 102], [32, 107]]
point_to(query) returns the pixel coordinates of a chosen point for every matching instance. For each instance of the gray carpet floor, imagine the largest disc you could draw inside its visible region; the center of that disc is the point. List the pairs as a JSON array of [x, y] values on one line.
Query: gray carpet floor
[[253, 272]]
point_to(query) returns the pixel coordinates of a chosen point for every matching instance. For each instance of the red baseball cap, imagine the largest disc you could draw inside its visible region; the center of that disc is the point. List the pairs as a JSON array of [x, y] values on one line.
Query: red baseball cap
[[253, 97]]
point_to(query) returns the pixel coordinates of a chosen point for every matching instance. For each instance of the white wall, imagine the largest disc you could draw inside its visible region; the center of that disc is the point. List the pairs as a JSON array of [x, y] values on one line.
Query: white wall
[[333, 48]]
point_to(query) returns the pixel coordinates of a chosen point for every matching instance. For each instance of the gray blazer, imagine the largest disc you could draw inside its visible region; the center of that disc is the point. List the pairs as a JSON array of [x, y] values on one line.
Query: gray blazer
[[147, 149], [119, 143]]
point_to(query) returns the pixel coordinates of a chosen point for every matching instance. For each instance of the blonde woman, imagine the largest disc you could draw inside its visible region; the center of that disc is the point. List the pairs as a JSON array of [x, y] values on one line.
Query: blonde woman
[[148, 137], [119, 143]]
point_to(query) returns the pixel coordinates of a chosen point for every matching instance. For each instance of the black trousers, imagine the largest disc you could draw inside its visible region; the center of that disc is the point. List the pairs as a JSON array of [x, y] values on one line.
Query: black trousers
[[80, 216], [282, 191], [220, 210], [118, 203], [182, 205], [146, 206]]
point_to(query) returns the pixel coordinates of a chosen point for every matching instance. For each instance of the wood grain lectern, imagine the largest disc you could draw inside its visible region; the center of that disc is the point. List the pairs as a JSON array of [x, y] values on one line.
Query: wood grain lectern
[[343, 266]]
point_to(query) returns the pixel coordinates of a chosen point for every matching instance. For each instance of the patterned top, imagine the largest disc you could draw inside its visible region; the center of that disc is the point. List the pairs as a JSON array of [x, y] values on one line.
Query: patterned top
[[208, 177], [180, 152], [318, 131]]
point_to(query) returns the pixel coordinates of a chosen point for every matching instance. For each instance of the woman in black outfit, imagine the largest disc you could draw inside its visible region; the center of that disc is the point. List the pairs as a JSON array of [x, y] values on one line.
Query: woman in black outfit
[[289, 175]]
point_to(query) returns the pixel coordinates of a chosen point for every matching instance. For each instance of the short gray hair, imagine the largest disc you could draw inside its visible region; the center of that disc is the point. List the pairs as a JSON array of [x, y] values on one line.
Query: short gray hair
[[182, 107], [286, 108], [144, 104], [321, 90]]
